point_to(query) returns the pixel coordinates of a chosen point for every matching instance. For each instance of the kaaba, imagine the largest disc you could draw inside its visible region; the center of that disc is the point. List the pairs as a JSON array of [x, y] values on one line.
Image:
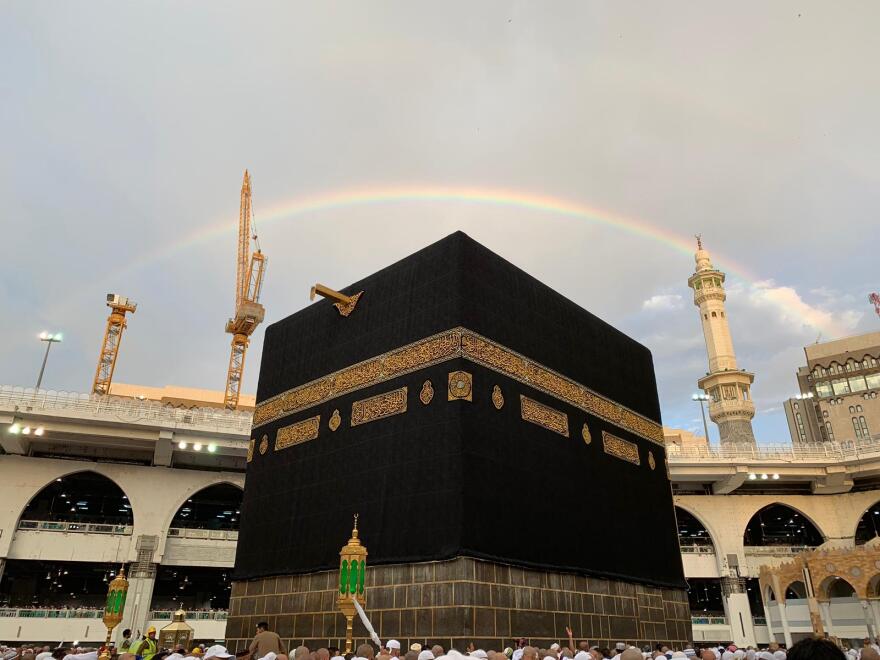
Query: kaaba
[[502, 447]]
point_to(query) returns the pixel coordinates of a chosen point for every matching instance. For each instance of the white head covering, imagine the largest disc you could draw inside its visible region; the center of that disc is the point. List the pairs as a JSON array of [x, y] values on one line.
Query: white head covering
[[392, 644], [727, 655], [779, 655], [271, 655], [426, 655], [550, 657], [217, 651], [678, 654], [582, 655]]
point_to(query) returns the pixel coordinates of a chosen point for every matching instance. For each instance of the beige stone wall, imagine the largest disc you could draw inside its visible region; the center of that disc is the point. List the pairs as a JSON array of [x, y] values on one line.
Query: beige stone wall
[[460, 601]]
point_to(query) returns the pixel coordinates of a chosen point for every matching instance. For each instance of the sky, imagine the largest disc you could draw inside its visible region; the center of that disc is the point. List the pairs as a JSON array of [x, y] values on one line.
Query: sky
[[586, 142]]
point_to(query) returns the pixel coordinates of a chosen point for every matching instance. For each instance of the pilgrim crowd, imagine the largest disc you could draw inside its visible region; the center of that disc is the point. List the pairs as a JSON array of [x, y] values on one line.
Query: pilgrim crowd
[[267, 645]]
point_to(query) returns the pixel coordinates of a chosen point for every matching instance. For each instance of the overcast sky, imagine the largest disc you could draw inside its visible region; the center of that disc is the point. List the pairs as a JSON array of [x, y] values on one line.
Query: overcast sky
[[127, 126]]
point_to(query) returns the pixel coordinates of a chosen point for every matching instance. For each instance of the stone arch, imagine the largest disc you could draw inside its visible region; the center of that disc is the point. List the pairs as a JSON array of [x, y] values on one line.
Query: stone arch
[[835, 586], [216, 506], [57, 483], [769, 595], [868, 524], [689, 517], [701, 518], [759, 531], [193, 489], [873, 586], [796, 589]]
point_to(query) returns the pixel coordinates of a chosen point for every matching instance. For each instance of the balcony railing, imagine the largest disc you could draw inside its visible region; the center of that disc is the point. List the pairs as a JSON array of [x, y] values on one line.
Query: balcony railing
[[215, 534], [97, 613], [697, 549], [67, 613], [74, 527], [214, 615], [709, 620], [126, 409], [776, 550], [826, 452]]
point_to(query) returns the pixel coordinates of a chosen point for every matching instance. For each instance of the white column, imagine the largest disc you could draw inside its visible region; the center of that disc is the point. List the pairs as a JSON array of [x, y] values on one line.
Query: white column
[[739, 616], [870, 621], [137, 605], [825, 608], [875, 610], [786, 630], [769, 622]]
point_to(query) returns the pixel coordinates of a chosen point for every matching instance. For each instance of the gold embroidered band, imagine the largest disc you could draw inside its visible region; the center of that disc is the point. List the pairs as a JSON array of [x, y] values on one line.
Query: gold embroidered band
[[455, 343], [538, 413], [297, 433], [620, 448], [379, 406]]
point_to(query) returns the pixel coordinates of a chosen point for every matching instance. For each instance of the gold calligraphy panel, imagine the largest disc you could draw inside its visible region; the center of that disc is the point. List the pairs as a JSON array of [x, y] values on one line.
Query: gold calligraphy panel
[[298, 433], [538, 413], [378, 407], [458, 342], [621, 448]]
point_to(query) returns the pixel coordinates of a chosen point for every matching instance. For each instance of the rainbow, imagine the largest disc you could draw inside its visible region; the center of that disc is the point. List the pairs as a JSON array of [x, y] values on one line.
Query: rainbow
[[383, 195]]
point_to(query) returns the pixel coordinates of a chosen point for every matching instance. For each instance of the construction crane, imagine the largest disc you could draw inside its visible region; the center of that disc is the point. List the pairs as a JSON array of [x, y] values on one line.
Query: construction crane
[[249, 312], [120, 306]]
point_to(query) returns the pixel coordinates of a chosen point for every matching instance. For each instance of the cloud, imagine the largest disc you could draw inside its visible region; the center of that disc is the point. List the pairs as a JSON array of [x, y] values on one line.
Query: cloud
[[663, 302], [792, 309]]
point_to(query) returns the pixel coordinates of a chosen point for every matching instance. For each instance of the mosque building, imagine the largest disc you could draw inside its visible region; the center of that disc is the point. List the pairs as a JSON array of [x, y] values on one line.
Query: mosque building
[[153, 478]]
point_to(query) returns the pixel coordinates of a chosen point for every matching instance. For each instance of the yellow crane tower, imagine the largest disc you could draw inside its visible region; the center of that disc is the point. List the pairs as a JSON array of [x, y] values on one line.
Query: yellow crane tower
[[249, 312], [112, 337]]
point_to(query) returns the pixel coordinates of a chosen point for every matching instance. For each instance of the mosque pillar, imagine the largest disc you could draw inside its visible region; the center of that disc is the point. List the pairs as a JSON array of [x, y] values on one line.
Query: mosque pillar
[[738, 611], [870, 620], [874, 604], [141, 581], [786, 629], [825, 607], [770, 632]]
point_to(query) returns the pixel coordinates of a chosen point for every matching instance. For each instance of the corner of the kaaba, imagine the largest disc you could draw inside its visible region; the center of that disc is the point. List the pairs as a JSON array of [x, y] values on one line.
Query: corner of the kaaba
[[503, 450]]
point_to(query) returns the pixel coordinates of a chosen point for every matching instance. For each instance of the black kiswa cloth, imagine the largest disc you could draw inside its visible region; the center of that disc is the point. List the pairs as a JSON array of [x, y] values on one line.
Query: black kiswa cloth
[[459, 477]]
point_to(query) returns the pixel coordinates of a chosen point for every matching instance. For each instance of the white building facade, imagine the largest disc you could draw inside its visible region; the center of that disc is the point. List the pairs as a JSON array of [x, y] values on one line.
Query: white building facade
[[149, 452]]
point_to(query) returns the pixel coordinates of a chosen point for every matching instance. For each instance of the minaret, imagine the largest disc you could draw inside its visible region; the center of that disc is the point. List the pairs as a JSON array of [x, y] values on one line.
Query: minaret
[[728, 387]]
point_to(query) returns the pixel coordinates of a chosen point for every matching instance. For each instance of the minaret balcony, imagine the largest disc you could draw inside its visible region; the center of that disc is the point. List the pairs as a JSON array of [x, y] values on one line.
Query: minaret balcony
[[731, 409]]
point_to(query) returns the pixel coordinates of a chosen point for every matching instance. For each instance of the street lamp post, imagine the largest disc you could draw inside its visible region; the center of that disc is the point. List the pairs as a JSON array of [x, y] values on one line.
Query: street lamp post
[[50, 339], [702, 398]]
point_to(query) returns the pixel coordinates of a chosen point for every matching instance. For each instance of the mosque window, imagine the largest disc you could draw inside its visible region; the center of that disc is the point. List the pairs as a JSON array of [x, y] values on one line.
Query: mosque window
[[840, 386], [823, 389], [715, 396], [852, 409], [714, 315], [745, 393], [797, 406], [864, 425], [830, 431], [856, 427], [873, 381], [825, 414], [722, 314], [706, 316], [859, 408], [857, 384], [728, 392]]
